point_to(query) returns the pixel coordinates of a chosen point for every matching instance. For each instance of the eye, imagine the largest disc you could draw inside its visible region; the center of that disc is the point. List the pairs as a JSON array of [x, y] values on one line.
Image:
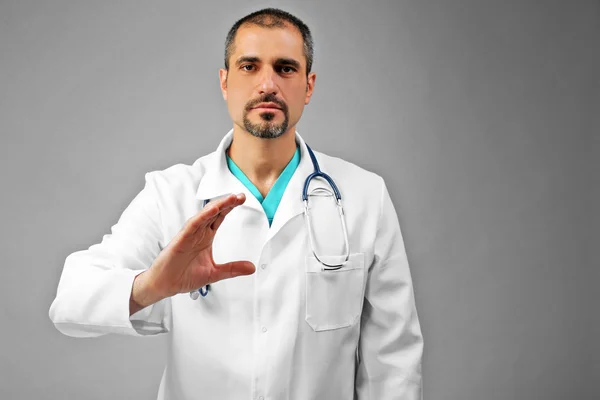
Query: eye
[[247, 65], [290, 69]]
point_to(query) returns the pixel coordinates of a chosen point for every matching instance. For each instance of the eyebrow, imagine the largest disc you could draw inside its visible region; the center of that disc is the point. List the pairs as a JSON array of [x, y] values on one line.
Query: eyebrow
[[279, 61]]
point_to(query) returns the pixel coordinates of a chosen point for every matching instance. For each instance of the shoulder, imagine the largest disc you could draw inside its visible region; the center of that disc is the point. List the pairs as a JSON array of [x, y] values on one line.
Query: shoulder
[[362, 193], [349, 173], [180, 177]]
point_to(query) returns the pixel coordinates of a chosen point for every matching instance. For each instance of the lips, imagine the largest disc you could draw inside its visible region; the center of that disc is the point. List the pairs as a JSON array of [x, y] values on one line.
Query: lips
[[268, 105]]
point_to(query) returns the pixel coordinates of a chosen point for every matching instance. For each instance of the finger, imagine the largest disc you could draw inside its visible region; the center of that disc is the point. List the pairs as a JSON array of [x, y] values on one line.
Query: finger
[[233, 269], [226, 202], [208, 214], [229, 203], [230, 200], [220, 217]]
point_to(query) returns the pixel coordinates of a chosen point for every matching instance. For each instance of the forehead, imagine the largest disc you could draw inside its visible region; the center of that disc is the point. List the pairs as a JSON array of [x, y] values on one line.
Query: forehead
[[268, 43]]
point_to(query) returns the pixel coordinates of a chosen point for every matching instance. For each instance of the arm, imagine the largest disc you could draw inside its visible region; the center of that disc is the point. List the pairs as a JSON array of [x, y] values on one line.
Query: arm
[[142, 294], [96, 294], [391, 344]]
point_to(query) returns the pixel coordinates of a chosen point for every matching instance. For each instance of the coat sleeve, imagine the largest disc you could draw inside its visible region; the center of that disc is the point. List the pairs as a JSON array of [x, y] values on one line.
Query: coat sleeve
[[94, 289], [391, 344]]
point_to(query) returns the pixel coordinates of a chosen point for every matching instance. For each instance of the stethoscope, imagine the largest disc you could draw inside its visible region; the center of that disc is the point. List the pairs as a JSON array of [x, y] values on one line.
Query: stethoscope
[[317, 173]]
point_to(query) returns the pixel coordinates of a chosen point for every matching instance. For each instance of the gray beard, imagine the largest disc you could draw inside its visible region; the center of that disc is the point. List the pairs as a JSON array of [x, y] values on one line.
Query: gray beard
[[266, 129]]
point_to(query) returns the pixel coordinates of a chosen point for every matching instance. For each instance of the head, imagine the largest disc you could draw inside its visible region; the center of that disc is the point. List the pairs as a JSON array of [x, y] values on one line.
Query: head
[[268, 59]]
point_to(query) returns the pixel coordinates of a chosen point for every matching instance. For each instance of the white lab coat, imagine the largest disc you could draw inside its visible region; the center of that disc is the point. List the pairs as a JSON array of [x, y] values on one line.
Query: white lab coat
[[288, 331]]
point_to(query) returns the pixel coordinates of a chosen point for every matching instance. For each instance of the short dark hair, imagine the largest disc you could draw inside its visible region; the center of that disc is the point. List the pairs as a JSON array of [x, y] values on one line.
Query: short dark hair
[[272, 18]]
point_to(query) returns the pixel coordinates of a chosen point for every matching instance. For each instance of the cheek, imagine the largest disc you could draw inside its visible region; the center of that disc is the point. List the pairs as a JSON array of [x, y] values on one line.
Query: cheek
[[236, 102], [297, 104]]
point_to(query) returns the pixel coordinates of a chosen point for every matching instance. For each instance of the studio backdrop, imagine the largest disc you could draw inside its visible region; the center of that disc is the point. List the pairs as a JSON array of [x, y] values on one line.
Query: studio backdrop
[[482, 117]]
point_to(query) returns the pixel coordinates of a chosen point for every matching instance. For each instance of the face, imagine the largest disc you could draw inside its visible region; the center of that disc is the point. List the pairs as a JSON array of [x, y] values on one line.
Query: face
[[267, 66]]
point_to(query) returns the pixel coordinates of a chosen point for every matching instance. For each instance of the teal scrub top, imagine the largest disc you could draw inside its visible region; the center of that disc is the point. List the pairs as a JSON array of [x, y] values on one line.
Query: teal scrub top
[[271, 202]]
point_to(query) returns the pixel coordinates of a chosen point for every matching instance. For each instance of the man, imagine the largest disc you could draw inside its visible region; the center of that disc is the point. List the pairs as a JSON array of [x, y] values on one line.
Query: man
[[320, 318]]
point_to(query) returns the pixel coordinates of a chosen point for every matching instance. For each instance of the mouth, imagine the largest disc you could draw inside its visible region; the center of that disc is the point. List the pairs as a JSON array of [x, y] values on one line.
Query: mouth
[[267, 106], [267, 109]]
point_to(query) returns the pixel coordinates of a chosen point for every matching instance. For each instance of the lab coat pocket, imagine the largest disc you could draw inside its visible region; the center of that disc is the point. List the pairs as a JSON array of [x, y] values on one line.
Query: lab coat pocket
[[334, 298]]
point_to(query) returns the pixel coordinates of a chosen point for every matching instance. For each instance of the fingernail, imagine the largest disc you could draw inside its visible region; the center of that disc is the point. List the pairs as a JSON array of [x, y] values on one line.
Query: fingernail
[[239, 196]]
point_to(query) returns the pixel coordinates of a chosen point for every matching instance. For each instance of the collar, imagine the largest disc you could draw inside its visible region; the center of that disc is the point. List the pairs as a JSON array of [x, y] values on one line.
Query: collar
[[218, 181]]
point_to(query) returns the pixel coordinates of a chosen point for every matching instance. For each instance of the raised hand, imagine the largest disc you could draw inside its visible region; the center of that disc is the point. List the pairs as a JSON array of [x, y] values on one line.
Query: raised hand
[[187, 263]]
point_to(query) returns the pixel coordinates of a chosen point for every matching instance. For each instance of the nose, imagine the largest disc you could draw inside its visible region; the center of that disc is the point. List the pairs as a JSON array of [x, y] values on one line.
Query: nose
[[267, 82]]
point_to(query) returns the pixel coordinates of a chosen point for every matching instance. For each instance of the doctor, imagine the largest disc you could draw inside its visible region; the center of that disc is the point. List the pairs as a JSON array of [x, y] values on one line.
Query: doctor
[[223, 257]]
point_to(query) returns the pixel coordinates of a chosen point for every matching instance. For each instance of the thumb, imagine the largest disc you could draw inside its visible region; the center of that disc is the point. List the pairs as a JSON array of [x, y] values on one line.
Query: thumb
[[233, 269]]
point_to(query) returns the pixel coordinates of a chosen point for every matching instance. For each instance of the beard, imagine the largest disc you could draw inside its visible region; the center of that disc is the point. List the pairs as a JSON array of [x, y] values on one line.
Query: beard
[[267, 129]]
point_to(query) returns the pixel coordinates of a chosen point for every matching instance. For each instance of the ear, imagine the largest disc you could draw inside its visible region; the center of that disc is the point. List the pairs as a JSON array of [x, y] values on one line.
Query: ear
[[310, 86], [223, 82]]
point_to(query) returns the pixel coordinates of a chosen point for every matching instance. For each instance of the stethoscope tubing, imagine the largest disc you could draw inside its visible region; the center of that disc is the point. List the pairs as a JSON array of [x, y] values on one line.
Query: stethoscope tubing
[[316, 174]]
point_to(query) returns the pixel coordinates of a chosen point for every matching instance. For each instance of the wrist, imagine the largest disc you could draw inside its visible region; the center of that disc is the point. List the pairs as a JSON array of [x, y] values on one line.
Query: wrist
[[145, 291]]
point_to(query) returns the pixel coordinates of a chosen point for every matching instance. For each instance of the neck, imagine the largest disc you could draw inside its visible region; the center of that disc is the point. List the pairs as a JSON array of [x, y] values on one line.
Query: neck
[[262, 160]]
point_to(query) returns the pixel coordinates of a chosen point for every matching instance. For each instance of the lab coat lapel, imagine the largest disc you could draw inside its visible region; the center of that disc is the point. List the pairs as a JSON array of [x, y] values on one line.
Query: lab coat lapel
[[218, 179], [291, 202]]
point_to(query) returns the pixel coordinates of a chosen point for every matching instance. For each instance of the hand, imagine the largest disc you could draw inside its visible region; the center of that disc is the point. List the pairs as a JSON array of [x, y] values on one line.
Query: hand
[[187, 264]]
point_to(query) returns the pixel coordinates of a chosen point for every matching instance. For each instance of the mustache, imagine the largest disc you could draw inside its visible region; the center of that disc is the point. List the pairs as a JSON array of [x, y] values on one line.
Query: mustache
[[270, 98]]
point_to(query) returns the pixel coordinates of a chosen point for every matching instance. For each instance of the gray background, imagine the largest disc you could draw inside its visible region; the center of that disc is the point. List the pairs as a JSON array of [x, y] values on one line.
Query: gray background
[[480, 115]]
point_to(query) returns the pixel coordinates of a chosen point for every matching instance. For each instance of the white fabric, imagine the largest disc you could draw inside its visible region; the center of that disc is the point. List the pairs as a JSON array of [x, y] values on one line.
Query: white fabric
[[288, 331]]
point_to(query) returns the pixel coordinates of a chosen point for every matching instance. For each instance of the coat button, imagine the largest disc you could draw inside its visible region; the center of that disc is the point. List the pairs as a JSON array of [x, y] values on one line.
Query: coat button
[[263, 266], [264, 328]]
